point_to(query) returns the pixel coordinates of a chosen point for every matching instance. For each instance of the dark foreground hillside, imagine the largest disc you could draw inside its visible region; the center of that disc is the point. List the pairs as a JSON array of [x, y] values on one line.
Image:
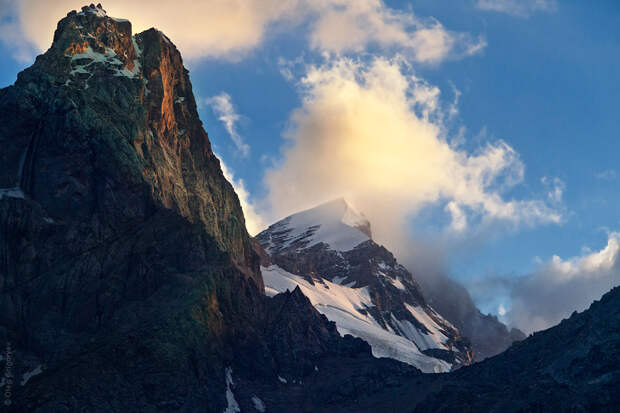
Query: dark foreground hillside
[[574, 366], [128, 282]]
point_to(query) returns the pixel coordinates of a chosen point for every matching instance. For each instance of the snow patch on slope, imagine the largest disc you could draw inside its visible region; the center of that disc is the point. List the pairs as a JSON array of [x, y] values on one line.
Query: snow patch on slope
[[29, 374], [258, 404], [109, 57], [232, 405], [340, 304], [436, 338], [15, 192]]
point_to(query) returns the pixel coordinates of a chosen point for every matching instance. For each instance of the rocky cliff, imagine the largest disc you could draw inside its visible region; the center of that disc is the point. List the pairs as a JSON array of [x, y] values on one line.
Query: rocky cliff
[[104, 126], [127, 279]]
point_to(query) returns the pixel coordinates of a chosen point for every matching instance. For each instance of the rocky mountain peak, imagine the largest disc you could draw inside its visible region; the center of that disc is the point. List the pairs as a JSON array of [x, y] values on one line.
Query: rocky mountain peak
[[91, 31], [334, 224], [126, 119], [328, 253]]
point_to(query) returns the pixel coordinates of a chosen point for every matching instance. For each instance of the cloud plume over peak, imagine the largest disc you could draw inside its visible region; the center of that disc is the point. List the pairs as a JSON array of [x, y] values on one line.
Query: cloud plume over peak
[[373, 133]]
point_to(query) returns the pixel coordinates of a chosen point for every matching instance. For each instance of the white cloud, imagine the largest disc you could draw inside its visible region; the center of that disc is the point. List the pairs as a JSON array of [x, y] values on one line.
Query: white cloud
[[520, 8], [372, 133], [351, 25], [200, 28], [559, 287], [10, 32], [555, 189], [225, 111], [459, 218], [253, 221], [501, 310], [228, 29]]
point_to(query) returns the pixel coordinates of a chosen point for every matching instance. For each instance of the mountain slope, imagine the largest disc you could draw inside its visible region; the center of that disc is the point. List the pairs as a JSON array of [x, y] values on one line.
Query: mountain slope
[[328, 252], [487, 334], [127, 279], [573, 366]]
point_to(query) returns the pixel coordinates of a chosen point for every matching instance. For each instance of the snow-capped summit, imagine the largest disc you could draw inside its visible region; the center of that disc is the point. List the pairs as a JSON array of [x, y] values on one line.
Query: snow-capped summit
[[335, 224], [328, 253]]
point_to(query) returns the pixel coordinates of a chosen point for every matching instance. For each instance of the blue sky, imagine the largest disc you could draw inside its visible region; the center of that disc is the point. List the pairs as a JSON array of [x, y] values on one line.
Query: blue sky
[[542, 80]]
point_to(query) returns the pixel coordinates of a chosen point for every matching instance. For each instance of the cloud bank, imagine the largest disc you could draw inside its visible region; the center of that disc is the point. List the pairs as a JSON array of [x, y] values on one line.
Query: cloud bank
[[559, 287], [228, 29], [373, 133], [350, 26]]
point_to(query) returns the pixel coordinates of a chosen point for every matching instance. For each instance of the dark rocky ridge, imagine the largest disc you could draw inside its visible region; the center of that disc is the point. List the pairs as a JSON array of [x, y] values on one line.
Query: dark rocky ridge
[[572, 367], [126, 271]]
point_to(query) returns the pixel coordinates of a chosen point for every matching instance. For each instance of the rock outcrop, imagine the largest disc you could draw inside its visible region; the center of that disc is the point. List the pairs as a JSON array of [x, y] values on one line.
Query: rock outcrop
[[128, 281]]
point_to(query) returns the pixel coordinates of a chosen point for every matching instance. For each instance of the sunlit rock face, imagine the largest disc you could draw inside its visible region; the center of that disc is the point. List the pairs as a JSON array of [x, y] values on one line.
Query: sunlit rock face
[[328, 252], [101, 102], [121, 239], [125, 265]]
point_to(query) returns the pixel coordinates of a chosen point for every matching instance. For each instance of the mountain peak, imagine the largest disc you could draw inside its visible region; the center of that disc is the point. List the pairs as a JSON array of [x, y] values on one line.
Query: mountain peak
[[90, 45], [334, 223], [127, 99]]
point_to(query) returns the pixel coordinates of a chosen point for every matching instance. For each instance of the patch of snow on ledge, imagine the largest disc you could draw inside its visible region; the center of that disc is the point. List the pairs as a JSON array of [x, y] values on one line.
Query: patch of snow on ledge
[[396, 282], [15, 192], [258, 404], [110, 58], [233, 406], [28, 375], [436, 339]]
